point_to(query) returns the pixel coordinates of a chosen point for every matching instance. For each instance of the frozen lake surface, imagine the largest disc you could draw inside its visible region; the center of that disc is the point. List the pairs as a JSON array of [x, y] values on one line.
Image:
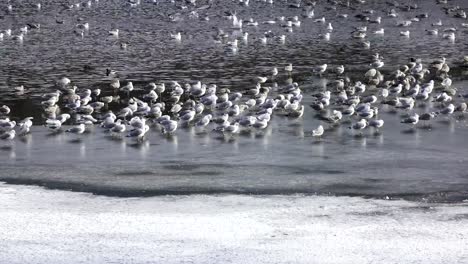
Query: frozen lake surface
[[399, 162]]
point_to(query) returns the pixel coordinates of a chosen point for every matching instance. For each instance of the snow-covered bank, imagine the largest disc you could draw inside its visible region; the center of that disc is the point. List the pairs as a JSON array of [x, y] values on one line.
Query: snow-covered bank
[[44, 226]]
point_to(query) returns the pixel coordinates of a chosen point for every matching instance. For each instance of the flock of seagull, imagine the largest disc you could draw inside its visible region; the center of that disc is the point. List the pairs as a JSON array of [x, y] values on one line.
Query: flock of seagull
[[121, 110]]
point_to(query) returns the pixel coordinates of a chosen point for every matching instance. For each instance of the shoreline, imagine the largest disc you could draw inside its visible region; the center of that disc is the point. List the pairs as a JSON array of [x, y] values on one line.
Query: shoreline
[[440, 197]]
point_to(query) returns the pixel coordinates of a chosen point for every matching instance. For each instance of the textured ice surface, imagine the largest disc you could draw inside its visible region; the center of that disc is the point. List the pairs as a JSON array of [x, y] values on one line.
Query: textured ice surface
[[47, 226], [425, 164]]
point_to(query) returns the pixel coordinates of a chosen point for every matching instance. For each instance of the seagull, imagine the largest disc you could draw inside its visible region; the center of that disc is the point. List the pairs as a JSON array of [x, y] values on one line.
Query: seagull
[[348, 111], [437, 24], [56, 124], [247, 121], [5, 110], [274, 71], [115, 84], [412, 119], [114, 33], [127, 88], [8, 135], [461, 107], [84, 26], [318, 132], [260, 124], [288, 68], [236, 23], [340, 69], [405, 33], [360, 125], [432, 31], [111, 73], [320, 20], [204, 121], [325, 36], [168, 126], [25, 125], [320, 69], [296, 113], [379, 32], [448, 110], [449, 36], [19, 89], [377, 64], [376, 20], [108, 121], [63, 82], [177, 36], [7, 125], [309, 12], [187, 117], [427, 116], [232, 129], [261, 79], [79, 129], [359, 35], [336, 116], [152, 96], [138, 133], [376, 123]]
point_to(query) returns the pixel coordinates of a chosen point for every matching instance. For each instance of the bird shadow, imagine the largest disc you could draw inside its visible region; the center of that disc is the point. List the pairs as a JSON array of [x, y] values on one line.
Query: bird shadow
[[444, 121], [230, 139], [426, 127], [318, 142], [201, 133], [245, 133], [171, 137], [345, 122], [409, 131], [359, 136], [138, 144], [76, 140], [25, 138], [259, 134], [6, 148], [54, 133], [114, 138]]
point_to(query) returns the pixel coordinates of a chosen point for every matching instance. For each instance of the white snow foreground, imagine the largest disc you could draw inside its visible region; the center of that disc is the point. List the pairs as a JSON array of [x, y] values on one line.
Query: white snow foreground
[[48, 226]]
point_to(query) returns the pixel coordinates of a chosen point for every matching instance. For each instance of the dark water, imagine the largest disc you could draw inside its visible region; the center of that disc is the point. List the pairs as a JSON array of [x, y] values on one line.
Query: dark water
[[55, 51], [399, 163]]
